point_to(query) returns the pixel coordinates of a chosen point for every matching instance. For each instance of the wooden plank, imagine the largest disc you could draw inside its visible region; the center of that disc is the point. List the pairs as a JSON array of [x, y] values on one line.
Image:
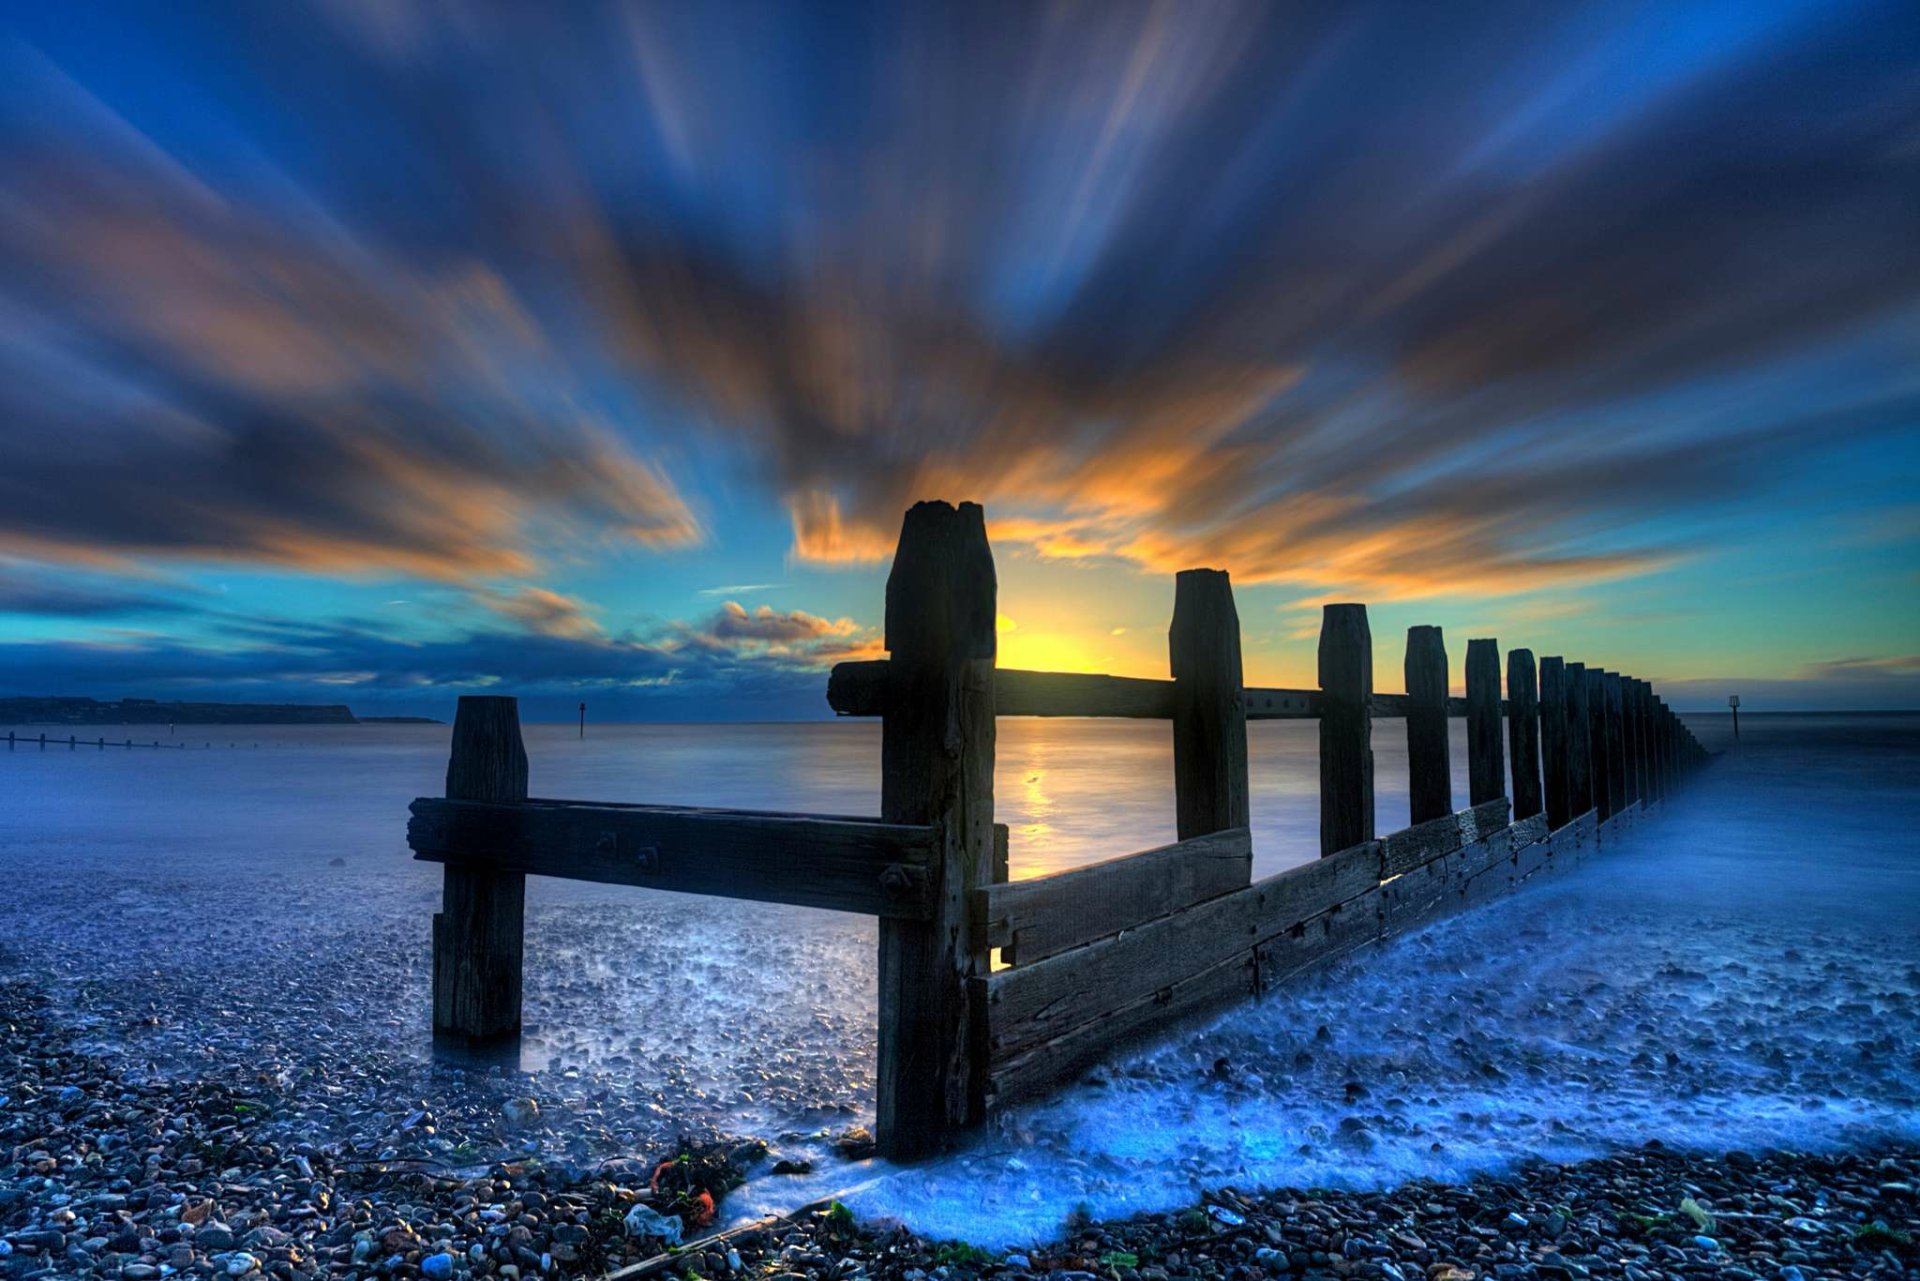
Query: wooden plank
[[1346, 728], [1034, 919], [1322, 937], [1409, 847], [1282, 704], [860, 689], [1553, 741], [479, 933], [1529, 830], [1523, 733], [1036, 1003], [1429, 771], [1020, 693], [1061, 1059], [1210, 792], [936, 768], [1486, 747], [879, 869]]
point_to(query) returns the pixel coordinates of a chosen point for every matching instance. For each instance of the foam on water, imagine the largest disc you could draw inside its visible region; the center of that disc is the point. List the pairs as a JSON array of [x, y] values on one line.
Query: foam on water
[[1742, 972]]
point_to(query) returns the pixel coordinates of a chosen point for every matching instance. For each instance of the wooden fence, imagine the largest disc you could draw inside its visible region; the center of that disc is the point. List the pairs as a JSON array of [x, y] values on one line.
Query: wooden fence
[[1091, 959], [73, 742]]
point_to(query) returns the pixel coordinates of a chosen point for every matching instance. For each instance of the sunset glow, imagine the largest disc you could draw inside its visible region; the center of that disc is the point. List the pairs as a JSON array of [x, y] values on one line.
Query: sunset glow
[[346, 348]]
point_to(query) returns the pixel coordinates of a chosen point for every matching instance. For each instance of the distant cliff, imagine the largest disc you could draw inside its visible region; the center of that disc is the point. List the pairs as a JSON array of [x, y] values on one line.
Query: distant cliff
[[147, 711]]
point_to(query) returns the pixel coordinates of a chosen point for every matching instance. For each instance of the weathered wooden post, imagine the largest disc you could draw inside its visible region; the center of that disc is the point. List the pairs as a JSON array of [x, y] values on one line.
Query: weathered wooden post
[[1346, 728], [936, 760], [1599, 762], [1733, 702], [1579, 742], [1523, 733], [1554, 740], [1486, 754], [1629, 742], [1616, 745], [1660, 743], [1650, 749], [478, 934], [1209, 713], [1429, 766]]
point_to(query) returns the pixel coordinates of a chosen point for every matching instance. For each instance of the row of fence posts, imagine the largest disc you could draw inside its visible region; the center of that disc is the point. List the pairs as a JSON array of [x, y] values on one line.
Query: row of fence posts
[[1580, 739], [1606, 741], [75, 742]]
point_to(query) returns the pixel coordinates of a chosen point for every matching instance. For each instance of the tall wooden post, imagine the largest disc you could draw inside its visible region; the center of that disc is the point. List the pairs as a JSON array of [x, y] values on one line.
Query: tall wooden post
[[1579, 749], [1629, 742], [1209, 713], [1616, 745], [1670, 745], [1643, 744], [479, 932], [936, 763], [1668, 764], [1429, 764], [1650, 749], [1346, 728], [1523, 733], [1600, 763], [1486, 753], [1553, 741]]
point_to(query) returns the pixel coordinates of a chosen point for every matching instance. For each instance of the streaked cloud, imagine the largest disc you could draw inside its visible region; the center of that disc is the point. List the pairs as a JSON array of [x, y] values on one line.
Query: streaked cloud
[[1472, 300], [541, 610]]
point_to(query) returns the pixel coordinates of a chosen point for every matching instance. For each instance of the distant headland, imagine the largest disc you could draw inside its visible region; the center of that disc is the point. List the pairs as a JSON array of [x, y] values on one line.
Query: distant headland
[[149, 711]]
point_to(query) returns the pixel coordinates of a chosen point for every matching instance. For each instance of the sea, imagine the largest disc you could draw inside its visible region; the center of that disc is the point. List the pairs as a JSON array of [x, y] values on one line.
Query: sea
[[1743, 970]]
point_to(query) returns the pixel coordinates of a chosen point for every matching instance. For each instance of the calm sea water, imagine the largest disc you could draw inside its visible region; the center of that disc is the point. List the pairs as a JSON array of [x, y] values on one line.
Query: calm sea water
[[1070, 791], [1743, 971]]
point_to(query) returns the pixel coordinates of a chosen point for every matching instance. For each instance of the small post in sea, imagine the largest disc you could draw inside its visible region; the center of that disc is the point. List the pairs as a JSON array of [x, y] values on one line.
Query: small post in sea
[[1733, 701], [583, 720]]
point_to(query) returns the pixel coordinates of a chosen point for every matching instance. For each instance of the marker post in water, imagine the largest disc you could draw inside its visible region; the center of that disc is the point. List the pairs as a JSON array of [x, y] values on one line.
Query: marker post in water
[[1733, 701], [583, 720]]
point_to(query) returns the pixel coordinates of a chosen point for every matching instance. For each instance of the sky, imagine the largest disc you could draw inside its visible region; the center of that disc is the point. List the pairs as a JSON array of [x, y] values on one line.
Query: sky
[[377, 352]]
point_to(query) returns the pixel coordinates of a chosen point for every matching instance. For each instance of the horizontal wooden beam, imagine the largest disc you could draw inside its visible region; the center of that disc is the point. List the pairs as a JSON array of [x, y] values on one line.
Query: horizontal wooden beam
[[1034, 919], [860, 689], [1409, 847], [1034, 1003], [1491, 866], [847, 865]]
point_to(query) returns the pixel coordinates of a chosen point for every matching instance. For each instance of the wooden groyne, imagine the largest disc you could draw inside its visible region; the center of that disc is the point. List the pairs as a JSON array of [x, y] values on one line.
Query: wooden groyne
[[993, 991], [73, 742]]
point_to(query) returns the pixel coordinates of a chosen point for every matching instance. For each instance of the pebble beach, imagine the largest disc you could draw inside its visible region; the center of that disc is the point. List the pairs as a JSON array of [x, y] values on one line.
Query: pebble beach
[[1665, 1067]]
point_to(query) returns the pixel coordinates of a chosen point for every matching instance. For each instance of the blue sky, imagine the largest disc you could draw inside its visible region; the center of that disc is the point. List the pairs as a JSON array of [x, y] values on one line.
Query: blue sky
[[380, 352]]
